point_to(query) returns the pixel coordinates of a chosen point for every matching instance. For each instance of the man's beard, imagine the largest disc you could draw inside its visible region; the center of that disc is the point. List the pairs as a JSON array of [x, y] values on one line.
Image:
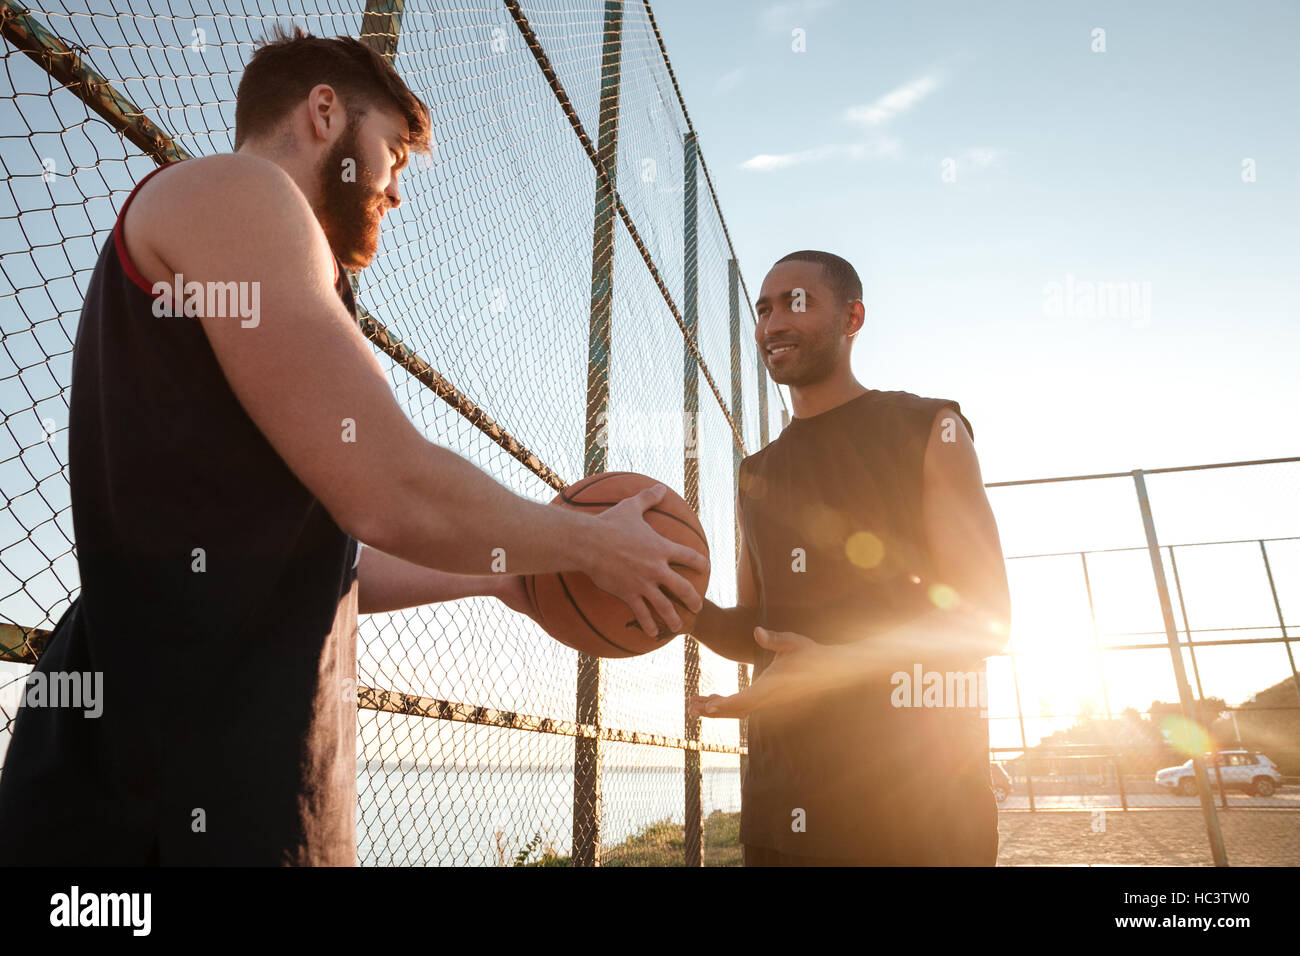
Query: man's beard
[[348, 212], [817, 359]]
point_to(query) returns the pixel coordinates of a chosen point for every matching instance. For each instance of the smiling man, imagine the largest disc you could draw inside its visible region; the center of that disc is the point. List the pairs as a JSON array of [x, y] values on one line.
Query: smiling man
[[224, 471], [869, 557]]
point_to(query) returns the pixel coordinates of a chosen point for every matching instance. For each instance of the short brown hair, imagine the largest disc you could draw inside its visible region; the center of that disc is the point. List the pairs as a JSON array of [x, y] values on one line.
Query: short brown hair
[[286, 66]]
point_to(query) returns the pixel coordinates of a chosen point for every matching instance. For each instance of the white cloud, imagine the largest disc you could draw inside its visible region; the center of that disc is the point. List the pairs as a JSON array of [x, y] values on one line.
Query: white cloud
[[880, 111], [886, 146], [893, 103], [768, 162], [787, 16]]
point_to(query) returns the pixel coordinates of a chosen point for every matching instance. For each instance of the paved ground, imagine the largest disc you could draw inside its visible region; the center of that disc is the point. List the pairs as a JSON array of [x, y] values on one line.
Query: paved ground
[[1256, 837], [1285, 798]]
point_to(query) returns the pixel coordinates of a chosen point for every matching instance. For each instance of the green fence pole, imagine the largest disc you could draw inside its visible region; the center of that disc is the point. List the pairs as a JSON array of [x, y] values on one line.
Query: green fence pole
[[586, 751], [738, 413], [1190, 712], [694, 846], [380, 25], [1281, 618]]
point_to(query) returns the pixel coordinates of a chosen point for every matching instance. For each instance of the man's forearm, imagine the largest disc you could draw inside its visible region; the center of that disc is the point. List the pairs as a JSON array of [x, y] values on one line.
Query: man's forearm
[[728, 632], [387, 583], [449, 514]]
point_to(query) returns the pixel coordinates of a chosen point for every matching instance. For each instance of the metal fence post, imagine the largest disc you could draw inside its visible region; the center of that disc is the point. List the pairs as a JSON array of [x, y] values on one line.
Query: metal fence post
[[1281, 619], [1101, 672], [693, 778], [586, 750], [763, 435], [1024, 740], [738, 412], [1096, 635], [380, 25], [1190, 712], [1196, 670]]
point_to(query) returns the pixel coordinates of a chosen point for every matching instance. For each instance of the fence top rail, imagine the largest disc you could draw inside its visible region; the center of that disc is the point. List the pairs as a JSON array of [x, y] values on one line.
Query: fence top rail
[[1144, 471], [1143, 547]]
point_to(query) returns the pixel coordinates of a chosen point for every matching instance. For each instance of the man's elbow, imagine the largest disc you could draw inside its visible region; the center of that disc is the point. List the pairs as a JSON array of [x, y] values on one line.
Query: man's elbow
[[390, 512]]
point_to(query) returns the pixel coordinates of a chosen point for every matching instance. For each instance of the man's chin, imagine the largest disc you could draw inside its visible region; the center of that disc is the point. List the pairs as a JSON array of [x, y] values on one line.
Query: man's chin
[[354, 260], [784, 377], [355, 249], [355, 264]]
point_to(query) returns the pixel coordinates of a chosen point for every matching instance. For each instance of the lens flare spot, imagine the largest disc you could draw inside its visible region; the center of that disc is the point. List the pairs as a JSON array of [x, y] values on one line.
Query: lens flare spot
[[1186, 736], [864, 549], [943, 597]]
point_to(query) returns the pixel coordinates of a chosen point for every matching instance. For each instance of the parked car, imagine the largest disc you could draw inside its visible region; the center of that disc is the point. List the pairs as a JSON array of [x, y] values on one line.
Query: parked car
[[1246, 770], [1000, 781]]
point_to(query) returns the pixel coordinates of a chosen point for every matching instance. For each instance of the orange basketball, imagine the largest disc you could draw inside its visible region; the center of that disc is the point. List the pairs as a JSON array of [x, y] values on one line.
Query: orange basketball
[[576, 612]]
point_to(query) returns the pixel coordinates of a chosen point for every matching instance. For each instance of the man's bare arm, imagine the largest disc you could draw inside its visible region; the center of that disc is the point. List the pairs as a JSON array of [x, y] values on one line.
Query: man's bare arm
[[308, 379], [386, 583], [971, 577]]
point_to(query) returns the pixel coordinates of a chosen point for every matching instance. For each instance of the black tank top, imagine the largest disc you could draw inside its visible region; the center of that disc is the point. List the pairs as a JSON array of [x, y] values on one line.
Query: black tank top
[[832, 518], [217, 602]]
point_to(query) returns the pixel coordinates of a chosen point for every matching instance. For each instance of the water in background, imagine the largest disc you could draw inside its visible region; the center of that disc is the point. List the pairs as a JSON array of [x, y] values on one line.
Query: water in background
[[440, 816]]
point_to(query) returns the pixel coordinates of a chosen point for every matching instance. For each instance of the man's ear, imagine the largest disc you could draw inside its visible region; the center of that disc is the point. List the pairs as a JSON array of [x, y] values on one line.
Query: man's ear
[[325, 111], [857, 318]]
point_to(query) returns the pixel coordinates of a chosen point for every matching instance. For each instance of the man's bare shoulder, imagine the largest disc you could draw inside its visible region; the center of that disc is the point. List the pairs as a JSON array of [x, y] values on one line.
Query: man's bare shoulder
[[227, 180], [229, 192]]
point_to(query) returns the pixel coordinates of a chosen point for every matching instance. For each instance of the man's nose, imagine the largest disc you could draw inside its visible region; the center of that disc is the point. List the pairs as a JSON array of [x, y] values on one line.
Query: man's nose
[[394, 196], [775, 324]]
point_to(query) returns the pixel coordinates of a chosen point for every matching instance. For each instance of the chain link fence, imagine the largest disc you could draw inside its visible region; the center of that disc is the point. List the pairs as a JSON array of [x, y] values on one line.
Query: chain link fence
[[557, 295]]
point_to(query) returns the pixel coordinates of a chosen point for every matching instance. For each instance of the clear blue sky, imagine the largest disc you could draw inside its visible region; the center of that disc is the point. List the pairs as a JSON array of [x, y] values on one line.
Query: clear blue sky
[[1123, 166]]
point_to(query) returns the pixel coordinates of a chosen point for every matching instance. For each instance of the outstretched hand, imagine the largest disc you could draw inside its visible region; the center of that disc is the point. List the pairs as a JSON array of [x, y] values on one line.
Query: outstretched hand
[[802, 668]]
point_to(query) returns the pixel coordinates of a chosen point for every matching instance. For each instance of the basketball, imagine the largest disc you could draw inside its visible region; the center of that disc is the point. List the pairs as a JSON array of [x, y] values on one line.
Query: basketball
[[576, 612]]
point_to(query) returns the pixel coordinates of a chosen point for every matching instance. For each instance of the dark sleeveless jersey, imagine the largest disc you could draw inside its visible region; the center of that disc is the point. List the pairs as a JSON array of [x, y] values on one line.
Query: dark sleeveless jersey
[[832, 518], [218, 606]]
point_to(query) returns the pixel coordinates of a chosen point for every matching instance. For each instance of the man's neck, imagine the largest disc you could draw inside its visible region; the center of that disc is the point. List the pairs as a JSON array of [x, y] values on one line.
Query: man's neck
[[299, 170], [810, 400]]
